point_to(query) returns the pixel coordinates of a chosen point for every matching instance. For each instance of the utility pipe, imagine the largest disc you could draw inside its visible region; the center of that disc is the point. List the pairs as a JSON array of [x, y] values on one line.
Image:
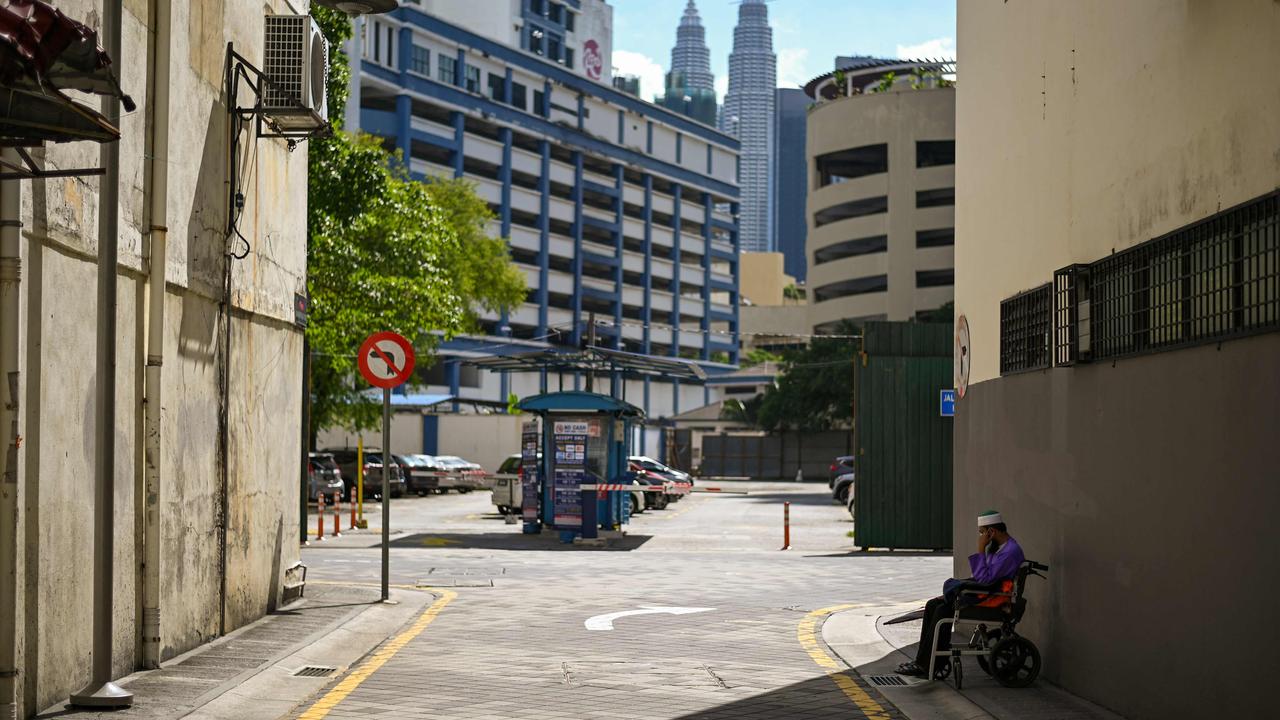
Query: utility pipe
[[10, 285], [157, 265], [101, 692]]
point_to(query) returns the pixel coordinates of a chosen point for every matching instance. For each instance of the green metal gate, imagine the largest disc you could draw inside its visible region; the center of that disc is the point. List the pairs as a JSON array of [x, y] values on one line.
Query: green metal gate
[[902, 444]]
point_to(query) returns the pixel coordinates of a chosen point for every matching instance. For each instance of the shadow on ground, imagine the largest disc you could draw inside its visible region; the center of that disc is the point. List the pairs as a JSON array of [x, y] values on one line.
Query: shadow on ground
[[547, 540], [815, 699]]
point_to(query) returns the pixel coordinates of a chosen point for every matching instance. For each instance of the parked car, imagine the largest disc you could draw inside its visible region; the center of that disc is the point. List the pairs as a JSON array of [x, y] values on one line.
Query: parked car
[[471, 475], [652, 465], [655, 500], [841, 465], [346, 461], [842, 487], [422, 474], [323, 476]]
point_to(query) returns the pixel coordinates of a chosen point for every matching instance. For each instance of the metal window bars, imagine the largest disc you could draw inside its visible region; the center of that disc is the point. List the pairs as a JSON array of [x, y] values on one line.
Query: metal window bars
[[1025, 320], [1213, 280]]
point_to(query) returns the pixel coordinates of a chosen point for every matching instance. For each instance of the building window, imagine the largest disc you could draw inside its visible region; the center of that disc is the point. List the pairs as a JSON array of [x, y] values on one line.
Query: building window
[[473, 78], [935, 278], [1024, 331], [930, 153], [555, 13], [941, 237], [519, 96], [567, 60], [420, 61], [851, 209], [553, 47], [850, 248], [497, 85], [840, 166], [1212, 280], [856, 286], [448, 69], [535, 39], [569, 16], [936, 198], [539, 102], [384, 44], [537, 7]]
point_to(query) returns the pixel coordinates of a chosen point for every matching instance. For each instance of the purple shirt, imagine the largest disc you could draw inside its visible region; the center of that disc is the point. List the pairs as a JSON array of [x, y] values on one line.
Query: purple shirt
[[1002, 565]]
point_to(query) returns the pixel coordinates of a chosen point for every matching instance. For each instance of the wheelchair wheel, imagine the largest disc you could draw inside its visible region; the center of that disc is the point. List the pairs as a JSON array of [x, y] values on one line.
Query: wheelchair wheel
[[1015, 662], [993, 637]]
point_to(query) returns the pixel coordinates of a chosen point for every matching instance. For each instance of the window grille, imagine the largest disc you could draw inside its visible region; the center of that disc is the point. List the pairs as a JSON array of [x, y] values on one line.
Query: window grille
[[1072, 341], [1024, 330], [1216, 279]]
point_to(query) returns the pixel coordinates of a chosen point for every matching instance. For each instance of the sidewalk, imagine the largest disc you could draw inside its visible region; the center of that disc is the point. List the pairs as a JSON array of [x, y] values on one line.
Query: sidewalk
[[251, 672], [861, 638]]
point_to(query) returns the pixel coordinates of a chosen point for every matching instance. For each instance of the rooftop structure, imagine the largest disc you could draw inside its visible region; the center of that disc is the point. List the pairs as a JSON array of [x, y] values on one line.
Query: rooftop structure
[[748, 115]]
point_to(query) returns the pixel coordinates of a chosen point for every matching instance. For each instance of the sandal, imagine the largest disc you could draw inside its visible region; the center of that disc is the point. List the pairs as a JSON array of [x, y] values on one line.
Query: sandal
[[911, 669]]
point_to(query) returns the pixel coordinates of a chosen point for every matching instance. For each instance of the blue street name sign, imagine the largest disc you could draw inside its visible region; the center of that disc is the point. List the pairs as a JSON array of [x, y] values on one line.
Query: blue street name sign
[[947, 403]]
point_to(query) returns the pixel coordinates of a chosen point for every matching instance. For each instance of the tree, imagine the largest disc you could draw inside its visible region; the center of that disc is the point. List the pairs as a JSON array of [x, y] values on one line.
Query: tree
[[814, 390], [387, 253]]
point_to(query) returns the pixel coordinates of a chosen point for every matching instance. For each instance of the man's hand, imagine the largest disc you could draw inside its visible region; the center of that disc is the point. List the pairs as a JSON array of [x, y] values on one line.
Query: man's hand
[[983, 541]]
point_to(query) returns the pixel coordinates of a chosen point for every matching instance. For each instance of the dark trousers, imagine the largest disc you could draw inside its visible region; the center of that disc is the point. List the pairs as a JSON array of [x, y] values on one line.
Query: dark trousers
[[934, 610]]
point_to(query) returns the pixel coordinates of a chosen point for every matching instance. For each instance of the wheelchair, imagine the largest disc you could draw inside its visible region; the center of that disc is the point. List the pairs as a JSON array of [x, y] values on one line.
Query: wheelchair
[[1013, 660]]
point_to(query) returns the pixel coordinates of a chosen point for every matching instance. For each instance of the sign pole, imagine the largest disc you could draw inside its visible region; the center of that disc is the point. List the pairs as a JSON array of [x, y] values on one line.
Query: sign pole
[[386, 489]]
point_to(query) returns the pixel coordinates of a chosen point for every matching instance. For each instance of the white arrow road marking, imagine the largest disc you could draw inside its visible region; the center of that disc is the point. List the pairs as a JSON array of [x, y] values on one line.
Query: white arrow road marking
[[605, 622]]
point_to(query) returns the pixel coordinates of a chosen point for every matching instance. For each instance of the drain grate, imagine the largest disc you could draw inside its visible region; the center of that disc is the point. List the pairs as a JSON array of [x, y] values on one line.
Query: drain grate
[[315, 671], [890, 681]]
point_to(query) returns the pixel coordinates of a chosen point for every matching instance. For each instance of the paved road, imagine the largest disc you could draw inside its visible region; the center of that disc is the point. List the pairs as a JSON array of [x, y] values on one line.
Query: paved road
[[507, 639]]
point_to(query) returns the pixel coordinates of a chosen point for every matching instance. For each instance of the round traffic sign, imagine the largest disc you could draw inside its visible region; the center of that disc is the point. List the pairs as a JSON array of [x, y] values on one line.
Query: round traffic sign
[[962, 359], [385, 359]]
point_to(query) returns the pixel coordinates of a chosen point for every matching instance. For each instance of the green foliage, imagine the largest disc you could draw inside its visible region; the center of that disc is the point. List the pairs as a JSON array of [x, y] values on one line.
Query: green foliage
[[758, 357], [745, 412], [513, 404], [886, 82], [387, 253], [815, 388]]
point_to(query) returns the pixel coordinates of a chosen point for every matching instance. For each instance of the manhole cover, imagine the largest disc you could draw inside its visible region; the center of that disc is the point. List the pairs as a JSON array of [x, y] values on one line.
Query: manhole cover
[[891, 681], [315, 671]]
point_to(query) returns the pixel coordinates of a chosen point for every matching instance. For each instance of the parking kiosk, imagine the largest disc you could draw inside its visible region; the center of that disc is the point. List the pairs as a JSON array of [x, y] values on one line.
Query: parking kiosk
[[584, 441]]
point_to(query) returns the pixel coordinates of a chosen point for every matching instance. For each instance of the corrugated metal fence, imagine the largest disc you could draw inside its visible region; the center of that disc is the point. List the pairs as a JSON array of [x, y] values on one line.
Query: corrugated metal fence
[[773, 457], [903, 461]]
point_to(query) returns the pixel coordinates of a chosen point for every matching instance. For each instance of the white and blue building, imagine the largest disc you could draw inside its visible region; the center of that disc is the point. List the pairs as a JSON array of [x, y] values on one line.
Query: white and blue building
[[614, 207]]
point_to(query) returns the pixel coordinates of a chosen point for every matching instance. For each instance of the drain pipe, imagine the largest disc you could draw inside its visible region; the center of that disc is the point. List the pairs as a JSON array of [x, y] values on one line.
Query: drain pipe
[[157, 261], [10, 284], [101, 692]]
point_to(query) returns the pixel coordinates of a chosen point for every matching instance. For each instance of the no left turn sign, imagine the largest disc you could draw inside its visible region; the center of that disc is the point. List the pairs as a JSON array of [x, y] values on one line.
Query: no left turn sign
[[385, 359]]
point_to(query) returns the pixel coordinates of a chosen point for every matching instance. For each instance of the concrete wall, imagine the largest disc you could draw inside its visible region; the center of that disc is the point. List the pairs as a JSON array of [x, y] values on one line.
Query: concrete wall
[[1149, 488], [899, 118], [762, 280], [1148, 483], [262, 363]]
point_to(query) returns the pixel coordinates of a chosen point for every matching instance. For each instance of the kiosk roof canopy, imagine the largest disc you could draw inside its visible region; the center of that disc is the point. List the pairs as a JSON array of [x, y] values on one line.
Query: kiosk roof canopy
[[577, 400], [593, 358]]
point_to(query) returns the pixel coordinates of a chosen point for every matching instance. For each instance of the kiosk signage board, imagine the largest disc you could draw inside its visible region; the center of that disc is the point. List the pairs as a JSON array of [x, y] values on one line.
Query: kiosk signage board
[[570, 438], [529, 471]]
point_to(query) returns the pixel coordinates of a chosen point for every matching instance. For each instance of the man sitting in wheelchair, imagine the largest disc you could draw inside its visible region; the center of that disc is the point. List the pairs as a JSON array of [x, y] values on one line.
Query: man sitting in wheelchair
[[994, 568]]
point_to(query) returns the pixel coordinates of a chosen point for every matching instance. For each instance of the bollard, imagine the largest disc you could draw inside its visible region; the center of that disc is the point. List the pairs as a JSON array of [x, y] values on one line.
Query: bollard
[[337, 515], [319, 516], [352, 525], [786, 526]]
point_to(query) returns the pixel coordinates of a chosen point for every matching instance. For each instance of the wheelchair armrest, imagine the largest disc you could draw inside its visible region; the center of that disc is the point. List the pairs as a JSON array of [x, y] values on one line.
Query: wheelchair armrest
[[986, 593]]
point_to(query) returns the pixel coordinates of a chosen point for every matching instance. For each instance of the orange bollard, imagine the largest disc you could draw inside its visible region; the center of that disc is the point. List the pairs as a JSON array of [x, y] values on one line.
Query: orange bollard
[[337, 515], [352, 525], [786, 526], [320, 516]]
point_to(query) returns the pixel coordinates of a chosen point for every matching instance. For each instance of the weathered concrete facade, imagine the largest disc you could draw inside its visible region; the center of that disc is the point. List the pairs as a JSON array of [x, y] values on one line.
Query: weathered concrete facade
[[1147, 482], [203, 551]]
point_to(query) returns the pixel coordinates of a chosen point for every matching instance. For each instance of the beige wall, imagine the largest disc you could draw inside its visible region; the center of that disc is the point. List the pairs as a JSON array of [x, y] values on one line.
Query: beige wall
[[1147, 117], [761, 278], [899, 118]]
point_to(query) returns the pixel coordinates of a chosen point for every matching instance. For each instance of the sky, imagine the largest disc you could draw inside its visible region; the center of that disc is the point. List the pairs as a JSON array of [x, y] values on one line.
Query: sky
[[807, 35]]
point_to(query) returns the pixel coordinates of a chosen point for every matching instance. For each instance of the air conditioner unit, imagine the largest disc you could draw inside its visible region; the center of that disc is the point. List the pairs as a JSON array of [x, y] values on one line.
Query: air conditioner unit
[[295, 61]]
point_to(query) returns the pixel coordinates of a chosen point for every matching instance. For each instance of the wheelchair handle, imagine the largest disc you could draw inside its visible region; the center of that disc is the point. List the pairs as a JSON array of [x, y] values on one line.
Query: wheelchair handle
[[1037, 566]]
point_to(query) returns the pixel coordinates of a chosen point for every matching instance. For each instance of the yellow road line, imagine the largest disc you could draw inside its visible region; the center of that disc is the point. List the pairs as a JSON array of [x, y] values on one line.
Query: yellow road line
[[806, 633], [378, 659]]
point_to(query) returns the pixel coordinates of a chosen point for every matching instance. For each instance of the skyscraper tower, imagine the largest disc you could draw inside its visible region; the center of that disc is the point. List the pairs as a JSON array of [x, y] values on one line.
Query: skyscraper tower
[[690, 87], [748, 115]]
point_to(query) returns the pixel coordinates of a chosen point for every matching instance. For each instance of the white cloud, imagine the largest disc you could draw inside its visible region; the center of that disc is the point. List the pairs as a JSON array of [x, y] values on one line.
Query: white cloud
[[652, 76], [939, 48], [722, 86], [793, 67]]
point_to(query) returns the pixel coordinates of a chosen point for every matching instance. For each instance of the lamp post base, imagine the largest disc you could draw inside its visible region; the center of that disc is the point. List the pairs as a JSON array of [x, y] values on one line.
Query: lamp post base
[[108, 695]]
